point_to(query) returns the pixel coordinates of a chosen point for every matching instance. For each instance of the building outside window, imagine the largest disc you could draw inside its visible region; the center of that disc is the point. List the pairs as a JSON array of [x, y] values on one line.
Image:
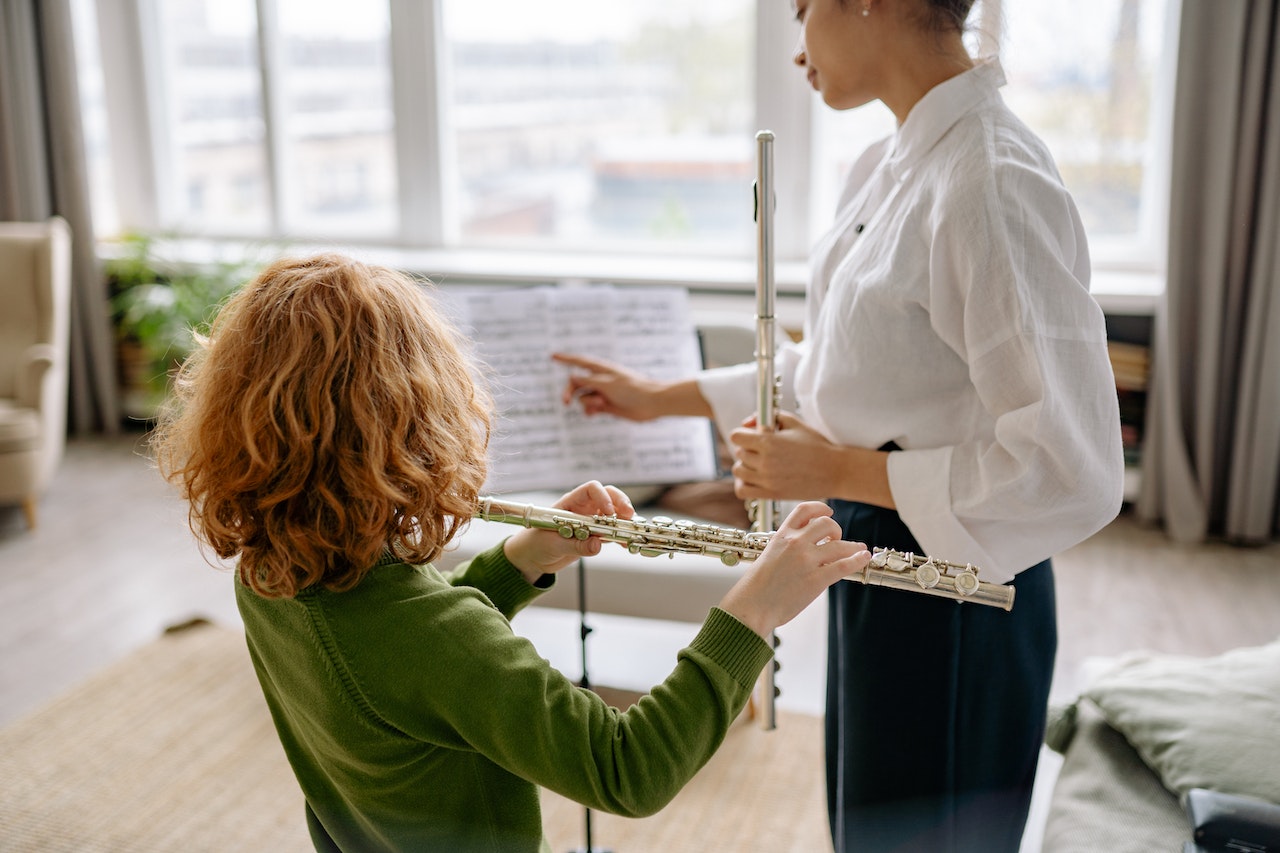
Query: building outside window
[[554, 127]]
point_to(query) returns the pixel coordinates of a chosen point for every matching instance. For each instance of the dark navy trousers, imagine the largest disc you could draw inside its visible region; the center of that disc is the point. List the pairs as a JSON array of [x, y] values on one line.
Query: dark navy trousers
[[935, 709]]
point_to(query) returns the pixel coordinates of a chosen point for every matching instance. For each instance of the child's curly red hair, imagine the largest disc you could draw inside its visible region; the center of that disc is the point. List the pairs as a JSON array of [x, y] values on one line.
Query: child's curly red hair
[[332, 413]]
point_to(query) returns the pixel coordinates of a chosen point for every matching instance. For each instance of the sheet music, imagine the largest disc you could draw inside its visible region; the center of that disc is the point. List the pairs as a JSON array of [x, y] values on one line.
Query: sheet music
[[538, 442]]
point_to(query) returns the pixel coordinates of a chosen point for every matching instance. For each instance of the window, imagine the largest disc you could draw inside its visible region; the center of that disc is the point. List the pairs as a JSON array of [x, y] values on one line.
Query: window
[[278, 117], [106, 215], [207, 82], [1097, 100], [556, 128], [575, 127], [1086, 77]]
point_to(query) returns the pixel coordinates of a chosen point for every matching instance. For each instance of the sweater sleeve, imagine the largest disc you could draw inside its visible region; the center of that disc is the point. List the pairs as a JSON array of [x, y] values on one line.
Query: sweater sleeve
[[459, 678], [503, 584]]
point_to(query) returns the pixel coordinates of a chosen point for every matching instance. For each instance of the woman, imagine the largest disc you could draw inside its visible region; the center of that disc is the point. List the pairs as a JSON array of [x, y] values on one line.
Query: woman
[[952, 396], [332, 438]]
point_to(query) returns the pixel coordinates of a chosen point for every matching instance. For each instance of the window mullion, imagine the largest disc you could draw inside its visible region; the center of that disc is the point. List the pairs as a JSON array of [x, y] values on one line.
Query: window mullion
[[784, 105], [141, 156], [418, 74], [271, 76], [1157, 172]]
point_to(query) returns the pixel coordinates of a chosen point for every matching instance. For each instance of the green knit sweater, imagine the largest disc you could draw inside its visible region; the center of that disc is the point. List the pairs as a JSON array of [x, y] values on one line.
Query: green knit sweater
[[415, 719]]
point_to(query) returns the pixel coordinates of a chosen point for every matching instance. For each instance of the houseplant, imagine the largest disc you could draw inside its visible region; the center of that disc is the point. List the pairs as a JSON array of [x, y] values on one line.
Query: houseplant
[[158, 305]]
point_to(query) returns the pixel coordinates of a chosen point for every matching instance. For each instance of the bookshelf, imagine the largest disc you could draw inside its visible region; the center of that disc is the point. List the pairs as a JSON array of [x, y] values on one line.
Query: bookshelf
[[1129, 345]]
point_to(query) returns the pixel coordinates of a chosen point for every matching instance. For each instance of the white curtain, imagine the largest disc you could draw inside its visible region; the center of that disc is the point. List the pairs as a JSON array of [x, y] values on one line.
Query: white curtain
[[43, 172], [1211, 465]]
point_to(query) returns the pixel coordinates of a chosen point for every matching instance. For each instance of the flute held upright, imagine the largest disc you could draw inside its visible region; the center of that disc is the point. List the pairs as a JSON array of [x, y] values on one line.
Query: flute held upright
[[765, 513]]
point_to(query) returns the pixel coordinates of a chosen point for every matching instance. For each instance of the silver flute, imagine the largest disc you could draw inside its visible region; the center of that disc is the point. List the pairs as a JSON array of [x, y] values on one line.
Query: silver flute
[[653, 537], [764, 513]]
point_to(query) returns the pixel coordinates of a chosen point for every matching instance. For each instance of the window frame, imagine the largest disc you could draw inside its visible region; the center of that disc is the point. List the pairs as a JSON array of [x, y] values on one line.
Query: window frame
[[427, 237]]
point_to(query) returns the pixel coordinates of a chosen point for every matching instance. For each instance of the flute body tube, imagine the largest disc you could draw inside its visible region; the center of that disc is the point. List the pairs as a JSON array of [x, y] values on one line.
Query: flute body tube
[[654, 537], [764, 513]]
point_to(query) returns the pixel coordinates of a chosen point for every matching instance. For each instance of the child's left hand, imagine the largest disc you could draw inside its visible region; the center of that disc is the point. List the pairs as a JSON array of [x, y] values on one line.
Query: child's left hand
[[538, 552]]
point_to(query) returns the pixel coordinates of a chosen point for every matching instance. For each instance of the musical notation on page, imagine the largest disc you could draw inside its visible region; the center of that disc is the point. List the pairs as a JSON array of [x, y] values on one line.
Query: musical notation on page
[[538, 442]]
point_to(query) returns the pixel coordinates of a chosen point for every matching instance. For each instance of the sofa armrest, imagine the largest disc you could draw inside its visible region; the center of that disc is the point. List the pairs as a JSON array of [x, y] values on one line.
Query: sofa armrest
[[1106, 798], [36, 361]]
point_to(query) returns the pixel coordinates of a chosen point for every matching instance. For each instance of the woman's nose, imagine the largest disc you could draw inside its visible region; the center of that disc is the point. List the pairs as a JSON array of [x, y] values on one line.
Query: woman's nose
[[799, 58]]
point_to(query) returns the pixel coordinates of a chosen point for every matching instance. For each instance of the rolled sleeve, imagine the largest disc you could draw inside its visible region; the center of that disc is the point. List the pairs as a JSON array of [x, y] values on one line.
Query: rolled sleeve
[[731, 393], [921, 484]]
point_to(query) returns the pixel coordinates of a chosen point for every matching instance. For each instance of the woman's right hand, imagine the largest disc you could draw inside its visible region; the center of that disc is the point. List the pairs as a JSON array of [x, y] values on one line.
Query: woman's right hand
[[604, 388], [804, 557]]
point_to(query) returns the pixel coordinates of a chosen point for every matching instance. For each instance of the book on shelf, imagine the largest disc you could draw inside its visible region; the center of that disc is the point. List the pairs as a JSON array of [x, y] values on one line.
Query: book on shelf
[[1131, 364]]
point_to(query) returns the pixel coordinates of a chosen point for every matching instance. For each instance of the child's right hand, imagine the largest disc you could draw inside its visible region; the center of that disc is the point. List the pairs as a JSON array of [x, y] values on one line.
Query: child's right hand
[[804, 557]]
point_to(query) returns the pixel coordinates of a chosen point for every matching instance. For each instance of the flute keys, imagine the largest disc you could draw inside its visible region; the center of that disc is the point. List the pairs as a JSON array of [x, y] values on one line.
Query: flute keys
[[730, 558], [890, 560], [648, 550], [967, 581], [569, 530], [928, 575]]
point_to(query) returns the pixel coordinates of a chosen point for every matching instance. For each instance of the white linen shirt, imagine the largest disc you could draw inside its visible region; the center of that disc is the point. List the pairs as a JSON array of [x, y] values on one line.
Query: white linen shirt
[[948, 312]]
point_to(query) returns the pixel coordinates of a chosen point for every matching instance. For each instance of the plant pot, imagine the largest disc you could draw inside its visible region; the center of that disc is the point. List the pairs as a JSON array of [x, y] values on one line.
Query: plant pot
[[144, 384]]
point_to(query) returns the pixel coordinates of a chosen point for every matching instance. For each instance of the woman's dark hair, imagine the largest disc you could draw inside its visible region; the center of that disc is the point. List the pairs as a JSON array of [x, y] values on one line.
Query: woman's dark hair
[[941, 16], [947, 15]]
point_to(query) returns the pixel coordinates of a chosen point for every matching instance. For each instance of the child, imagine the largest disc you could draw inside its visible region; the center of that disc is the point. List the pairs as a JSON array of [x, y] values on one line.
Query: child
[[331, 435]]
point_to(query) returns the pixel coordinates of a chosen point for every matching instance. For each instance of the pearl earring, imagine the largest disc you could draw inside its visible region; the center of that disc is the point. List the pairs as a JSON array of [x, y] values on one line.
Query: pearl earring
[[866, 10]]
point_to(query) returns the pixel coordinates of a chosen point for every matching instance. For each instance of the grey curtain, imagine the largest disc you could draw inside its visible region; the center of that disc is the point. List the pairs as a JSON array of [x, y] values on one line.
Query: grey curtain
[[43, 172], [1211, 464]]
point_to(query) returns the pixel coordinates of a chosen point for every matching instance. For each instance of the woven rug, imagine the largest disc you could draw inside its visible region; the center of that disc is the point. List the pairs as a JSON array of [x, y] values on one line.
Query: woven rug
[[172, 749]]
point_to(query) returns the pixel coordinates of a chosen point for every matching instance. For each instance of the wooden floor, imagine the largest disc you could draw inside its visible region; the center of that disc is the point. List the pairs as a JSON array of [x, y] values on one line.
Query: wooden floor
[[112, 563]]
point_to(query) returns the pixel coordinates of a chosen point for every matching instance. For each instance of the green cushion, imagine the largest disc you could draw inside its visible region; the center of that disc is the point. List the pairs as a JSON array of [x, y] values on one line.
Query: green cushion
[[1200, 722]]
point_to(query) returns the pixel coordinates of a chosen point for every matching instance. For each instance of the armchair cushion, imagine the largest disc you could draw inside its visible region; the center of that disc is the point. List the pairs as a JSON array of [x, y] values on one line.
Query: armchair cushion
[[19, 428]]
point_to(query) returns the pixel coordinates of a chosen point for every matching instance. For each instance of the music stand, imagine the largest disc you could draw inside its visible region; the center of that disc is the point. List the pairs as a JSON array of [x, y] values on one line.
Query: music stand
[[583, 630]]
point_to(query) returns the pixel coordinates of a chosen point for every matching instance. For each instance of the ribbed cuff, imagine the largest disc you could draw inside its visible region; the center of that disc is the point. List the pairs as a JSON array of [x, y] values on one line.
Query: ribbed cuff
[[493, 574], [738, 650]]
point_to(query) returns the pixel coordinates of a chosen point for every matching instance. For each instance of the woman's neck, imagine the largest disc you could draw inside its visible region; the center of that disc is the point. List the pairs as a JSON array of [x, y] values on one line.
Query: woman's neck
[[938, 64]]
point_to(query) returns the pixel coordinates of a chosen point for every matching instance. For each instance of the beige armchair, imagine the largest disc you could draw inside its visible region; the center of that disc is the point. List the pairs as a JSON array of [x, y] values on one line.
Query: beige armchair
[[35, 288]]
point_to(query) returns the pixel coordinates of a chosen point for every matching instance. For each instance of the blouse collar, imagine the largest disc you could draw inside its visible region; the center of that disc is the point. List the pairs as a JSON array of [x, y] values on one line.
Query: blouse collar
[[940, 108]]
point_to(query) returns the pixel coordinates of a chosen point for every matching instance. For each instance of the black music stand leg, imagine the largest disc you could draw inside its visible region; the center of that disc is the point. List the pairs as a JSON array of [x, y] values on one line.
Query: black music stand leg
[[583, 630]]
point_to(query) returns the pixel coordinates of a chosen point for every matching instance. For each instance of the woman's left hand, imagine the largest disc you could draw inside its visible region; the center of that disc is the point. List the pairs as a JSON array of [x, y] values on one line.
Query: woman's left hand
[[796, 462], [539, 552]]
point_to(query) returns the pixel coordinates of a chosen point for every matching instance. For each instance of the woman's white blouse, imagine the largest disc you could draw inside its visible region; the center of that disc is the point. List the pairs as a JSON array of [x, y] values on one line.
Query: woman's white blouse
[[949, 313]]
